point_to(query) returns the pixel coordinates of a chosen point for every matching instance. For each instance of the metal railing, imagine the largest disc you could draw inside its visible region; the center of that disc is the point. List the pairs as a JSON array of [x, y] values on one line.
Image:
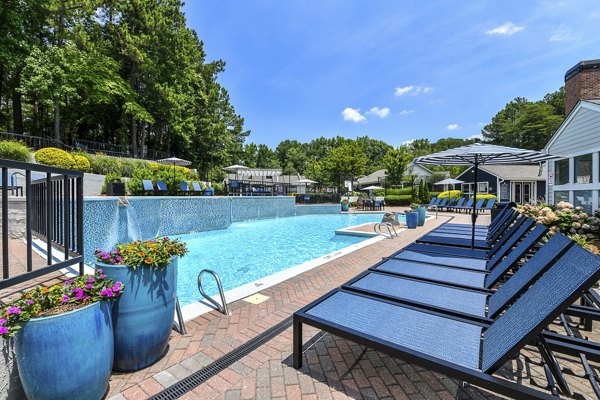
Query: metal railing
[[391, 230], [220, 307], [318, 198], [53, 211]]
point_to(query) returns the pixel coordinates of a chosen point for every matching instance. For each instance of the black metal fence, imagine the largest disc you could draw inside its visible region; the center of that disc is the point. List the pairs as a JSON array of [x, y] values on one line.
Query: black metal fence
[[53, 211], [318, 198]]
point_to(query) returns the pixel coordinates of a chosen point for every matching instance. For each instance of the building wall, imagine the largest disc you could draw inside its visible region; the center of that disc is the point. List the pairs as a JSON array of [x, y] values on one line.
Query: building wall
[[482, 176]]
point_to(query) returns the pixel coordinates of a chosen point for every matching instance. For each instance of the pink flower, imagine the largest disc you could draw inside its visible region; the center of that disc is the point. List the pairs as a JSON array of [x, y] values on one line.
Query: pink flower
[[13, 310], [3, 330], [90, 280], [2, 321], [65, 298], [106, 292], [88, 286], [30, 302]]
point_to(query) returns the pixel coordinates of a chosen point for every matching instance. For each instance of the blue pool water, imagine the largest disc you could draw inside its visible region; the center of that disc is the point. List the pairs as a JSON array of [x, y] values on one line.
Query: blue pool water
[[247, 251]]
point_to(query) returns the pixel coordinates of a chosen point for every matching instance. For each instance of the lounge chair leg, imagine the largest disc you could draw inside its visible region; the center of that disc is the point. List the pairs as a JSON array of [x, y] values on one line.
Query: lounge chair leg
[[552, 363], [297, 343]]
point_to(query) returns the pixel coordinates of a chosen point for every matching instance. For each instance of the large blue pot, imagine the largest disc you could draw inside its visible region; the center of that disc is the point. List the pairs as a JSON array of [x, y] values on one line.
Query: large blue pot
[[67, 356], [412, 218], [143, 314], [422, 212]]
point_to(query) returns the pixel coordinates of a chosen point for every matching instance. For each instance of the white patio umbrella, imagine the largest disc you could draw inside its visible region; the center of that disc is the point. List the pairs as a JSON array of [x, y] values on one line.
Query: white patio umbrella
[[479, 153], [175, 162], [448, 181], [236, 168], [371, 188], [306, 181]]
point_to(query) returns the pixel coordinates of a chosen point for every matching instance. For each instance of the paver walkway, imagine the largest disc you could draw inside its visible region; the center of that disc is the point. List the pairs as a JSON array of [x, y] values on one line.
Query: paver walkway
[[334, 368]]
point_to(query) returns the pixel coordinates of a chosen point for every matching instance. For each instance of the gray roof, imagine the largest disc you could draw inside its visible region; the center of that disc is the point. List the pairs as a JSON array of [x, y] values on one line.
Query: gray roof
[[373, 177], [523, 172]]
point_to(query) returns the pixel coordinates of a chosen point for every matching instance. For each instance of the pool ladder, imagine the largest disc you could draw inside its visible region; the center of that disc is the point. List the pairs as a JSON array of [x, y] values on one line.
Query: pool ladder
[[220, 307], [391, 231]]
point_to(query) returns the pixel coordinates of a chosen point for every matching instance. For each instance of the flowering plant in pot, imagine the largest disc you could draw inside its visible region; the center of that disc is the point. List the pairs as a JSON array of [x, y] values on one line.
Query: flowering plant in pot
[[412, 218], [143, 316], [54, 326]]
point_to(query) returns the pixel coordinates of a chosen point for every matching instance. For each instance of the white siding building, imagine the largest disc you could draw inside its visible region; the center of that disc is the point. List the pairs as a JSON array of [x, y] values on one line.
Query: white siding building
[[576, 177]]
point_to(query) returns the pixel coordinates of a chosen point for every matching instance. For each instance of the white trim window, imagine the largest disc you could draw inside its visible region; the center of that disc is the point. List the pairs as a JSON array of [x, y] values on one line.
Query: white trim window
[[482, 187]]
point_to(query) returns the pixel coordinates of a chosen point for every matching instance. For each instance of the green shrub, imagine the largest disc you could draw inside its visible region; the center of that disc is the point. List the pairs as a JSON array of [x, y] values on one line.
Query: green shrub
[[451, 194], [12, 150], [106, 165], [433, 194], [55, 158], [485, 196], [398, 192], [397, 200], [81, 163]]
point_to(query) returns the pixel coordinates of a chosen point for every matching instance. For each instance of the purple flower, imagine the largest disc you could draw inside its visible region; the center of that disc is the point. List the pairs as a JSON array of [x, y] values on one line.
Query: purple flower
[[30, 302], [102, 276], [119, 258], [117, 286], [3, 330], [90, 280], [2, 321], [13, 310], [65, 298], [68, 281], [88, 286], [99, 271], [106, 292]]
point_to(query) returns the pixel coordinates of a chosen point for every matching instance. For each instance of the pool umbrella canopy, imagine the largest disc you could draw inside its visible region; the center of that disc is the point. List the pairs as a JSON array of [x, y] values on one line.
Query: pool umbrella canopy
[[479, 153], [371, 188], [235, 168], [306, 181], [448, 181], [175, 162]]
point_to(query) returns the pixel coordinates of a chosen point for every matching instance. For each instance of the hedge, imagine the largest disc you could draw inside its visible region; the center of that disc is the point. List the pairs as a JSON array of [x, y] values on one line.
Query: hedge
[[11, 150], [397, 200], [486, 196], [453, 194], [398, 192], [54, 157]]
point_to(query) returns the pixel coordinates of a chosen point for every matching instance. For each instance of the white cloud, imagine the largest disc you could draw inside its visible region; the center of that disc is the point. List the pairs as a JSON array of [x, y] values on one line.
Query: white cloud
[[412, 90], [453, 127], [476, 136], [403, 90], [563, 34], [353, 114], [406, 112], [380, 112], [406, 142], [506, 29]]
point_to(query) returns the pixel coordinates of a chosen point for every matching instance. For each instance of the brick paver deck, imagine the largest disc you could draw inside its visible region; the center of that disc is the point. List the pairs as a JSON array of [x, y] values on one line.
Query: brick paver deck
[[334, 368]]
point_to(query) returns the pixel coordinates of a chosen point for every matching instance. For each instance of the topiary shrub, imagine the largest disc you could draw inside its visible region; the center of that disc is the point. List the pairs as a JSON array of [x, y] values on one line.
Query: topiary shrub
[[55, 158], [450, 194], [12, 150], [397, 200], [80, 163], [399, 192], [486, 196]]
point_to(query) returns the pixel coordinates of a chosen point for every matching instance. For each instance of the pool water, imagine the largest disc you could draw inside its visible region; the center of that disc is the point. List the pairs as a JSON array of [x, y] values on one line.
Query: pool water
[[251, 250]]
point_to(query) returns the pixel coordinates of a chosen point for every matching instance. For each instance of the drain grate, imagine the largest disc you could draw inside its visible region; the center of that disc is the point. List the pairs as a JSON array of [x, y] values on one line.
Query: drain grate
[[191, 382]]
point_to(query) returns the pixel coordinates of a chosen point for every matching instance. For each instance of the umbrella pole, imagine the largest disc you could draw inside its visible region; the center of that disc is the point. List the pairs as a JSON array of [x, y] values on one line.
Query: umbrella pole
[[474, 214]]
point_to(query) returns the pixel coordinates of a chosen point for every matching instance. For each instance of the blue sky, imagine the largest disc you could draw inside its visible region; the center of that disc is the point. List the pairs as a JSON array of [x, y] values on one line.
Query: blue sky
[[392, 70]]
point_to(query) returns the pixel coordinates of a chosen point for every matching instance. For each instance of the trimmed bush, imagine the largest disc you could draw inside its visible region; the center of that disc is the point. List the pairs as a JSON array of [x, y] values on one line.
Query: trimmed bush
[[12, 150], [81, 163], [486, 196], [397, 200], [451, 194], [398, 192], [55, 158]]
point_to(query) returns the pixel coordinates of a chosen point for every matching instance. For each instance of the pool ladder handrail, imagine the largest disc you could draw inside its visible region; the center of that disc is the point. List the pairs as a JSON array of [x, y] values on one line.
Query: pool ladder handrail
[[391, 230], [220, 307]]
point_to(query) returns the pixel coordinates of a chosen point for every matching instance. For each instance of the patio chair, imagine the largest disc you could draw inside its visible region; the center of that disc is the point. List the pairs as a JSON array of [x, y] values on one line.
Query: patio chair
[[377, 205], [464, 349], [502, 213], [431, 202], [458, 203], [451, 203], [196, 187], [440, 205], [479, 229], [489, 205], [472, 301], [161, 187], [148, 186], [464, 271], [482, 241], [440, 245], [184, 188], [436, 203], [465, 206]]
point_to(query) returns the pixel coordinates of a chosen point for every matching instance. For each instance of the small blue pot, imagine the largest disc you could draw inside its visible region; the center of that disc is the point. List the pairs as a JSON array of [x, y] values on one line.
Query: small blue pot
[[143, 314], [422, 211], [412, 218], [67, 356], [345, 206]]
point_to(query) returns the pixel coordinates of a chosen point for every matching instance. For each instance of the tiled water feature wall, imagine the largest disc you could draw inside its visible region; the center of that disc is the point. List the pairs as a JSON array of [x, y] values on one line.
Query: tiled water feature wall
[[107, 222]]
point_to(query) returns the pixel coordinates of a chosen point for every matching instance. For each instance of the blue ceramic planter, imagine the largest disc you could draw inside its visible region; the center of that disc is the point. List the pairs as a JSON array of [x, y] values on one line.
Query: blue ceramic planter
[[67, 356], [412, 218], [345, 206], [422, 212], [143, 314]]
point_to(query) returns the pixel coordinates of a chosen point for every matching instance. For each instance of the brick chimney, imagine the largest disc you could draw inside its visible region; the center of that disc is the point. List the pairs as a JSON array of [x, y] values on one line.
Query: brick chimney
[[582, 82]]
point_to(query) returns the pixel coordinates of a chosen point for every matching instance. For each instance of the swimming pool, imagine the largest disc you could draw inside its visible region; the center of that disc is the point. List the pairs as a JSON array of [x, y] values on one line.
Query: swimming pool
[[247, 251]]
